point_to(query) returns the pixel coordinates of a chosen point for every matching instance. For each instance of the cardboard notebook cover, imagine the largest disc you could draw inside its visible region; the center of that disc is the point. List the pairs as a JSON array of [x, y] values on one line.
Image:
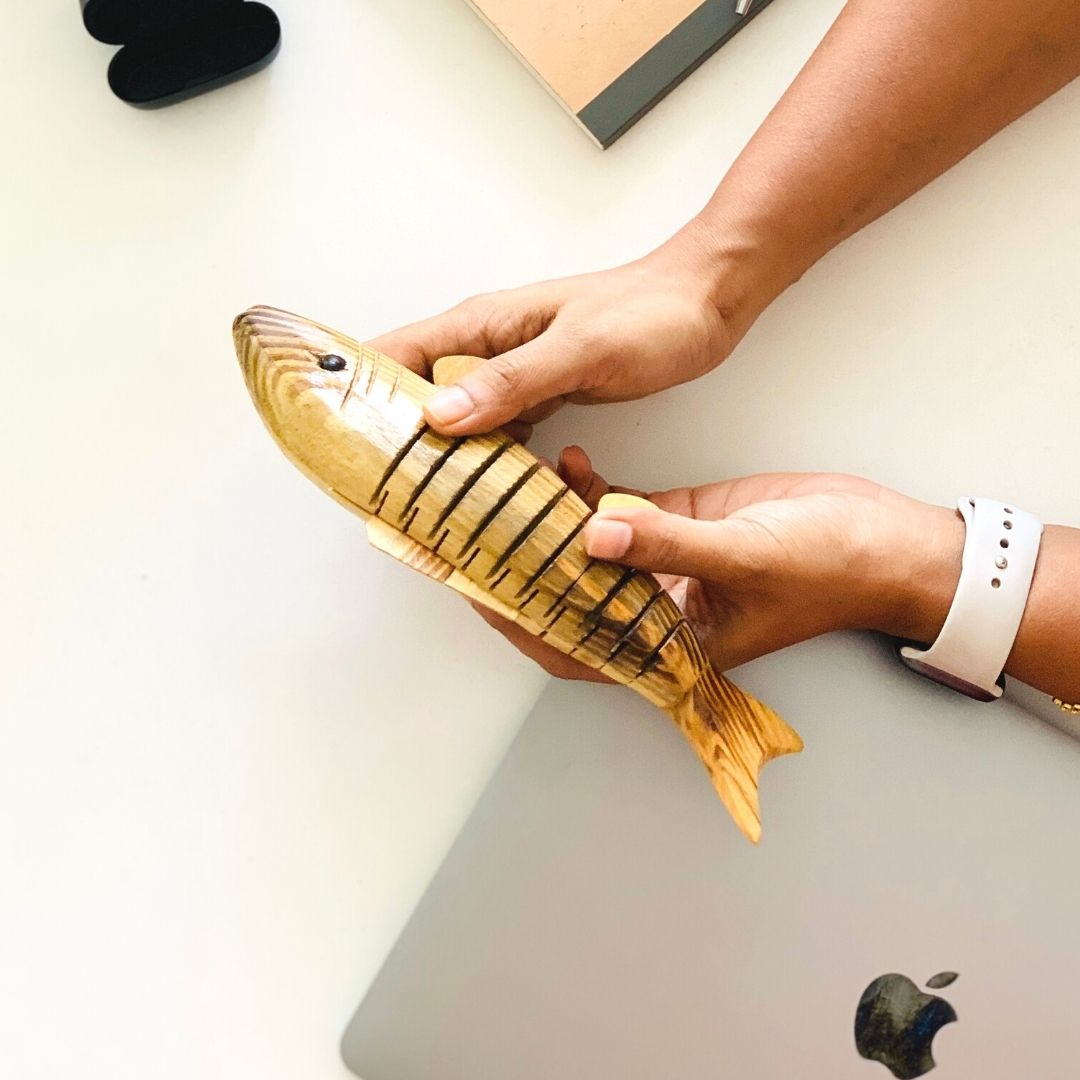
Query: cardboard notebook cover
[[609, 61]]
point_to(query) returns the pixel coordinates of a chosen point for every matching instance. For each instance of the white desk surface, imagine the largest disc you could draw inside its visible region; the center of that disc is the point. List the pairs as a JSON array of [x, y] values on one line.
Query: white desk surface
[[235, 741]]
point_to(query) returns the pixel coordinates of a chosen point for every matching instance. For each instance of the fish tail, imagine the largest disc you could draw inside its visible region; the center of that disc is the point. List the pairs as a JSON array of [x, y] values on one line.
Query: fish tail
[[734, 734]]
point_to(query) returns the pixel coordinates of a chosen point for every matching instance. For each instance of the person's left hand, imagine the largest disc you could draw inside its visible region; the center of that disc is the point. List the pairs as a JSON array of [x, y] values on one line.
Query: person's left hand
[[763, 562]]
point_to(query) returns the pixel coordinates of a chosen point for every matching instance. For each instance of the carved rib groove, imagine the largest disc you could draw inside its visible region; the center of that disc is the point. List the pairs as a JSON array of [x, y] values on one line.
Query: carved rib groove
[[550, 561], [398, 458], [503, 499], [436, 465], [470, 480], [566, 592], [530, 527], [632, 627], [596, 615], [653, 658]]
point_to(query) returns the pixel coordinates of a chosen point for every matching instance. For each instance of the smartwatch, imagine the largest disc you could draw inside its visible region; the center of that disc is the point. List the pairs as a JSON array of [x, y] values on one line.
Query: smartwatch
[[1000, 551]]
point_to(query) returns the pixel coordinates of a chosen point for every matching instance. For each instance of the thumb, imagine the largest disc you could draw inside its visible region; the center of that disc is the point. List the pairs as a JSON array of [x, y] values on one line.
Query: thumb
[[500, 389], [652, 539]]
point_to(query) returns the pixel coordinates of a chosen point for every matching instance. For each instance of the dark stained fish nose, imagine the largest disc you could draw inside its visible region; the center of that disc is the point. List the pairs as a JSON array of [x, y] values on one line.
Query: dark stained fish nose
[[253, 330], [262, 320]]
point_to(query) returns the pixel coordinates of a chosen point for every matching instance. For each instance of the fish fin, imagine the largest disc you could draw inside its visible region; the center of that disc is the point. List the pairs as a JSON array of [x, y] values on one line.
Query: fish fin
[[406, 550], [734, 734], [413, 554], [615, 500], [469, 589], [448, 369]]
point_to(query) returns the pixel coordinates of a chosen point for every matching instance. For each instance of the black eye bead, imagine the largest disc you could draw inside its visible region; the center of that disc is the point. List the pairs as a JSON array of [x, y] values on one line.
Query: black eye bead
[[333, 362]]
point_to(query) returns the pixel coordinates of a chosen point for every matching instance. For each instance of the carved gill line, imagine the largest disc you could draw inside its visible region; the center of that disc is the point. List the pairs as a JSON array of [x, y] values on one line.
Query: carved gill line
[[632, 627], [530, 527], [467, 485], [352, 381], [550, 561], [500, 579], [650, 661], [396, 383], [374, 371], [398, 458], [500, 503], [436, 465]]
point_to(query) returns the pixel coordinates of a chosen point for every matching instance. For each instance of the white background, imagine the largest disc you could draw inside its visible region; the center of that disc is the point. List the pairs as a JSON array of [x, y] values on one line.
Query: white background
[[236, 742]]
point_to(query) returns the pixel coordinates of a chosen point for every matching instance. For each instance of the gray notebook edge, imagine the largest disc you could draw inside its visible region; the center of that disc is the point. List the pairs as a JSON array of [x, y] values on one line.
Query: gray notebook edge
[[651, 78], [671, 60]]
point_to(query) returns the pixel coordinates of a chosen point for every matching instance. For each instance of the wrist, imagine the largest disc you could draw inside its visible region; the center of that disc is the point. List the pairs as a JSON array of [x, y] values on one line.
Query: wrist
[[919, 573], [742, 273]]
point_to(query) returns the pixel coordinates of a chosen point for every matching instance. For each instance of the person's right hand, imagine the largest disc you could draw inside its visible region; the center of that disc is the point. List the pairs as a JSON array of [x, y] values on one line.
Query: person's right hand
[[763, 562], [608, 336]]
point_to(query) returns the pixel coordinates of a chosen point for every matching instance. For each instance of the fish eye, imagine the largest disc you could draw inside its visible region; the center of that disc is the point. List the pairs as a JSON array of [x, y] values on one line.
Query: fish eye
[[333, 362]]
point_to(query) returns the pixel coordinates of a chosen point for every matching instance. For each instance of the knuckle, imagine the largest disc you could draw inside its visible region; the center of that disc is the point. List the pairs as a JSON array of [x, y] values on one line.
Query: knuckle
[[477, 300], [505, 377], [665, 545], [595, 342]]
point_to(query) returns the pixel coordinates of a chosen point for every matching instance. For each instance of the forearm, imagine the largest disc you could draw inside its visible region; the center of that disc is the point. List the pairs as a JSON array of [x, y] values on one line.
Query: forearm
[[895, 95], [1046, 654]]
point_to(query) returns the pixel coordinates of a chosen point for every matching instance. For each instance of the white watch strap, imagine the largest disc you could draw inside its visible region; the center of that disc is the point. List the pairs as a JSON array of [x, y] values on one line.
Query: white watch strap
[[1000, 551]]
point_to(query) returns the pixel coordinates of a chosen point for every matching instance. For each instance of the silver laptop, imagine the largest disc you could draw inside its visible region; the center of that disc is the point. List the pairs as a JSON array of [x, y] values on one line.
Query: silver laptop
[[915, 899]]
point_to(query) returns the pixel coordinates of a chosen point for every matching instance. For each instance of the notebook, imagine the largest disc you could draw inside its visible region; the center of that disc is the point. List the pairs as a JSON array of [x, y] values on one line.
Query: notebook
[[609, 61]]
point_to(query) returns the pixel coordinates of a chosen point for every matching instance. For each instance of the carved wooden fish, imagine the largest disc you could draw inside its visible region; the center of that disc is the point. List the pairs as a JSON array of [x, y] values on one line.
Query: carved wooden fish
[[482, 515]]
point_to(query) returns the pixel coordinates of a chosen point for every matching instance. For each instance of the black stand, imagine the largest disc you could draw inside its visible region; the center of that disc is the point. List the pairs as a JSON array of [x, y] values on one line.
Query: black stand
[[173, 49]]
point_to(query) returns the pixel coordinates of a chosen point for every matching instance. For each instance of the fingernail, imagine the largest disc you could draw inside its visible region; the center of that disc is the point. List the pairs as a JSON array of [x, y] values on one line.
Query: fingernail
[[608, 539], [449, 406]]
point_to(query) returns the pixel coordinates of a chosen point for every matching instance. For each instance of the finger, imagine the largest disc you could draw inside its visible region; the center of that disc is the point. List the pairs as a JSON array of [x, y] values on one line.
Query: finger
[[727, 497], [448, 370], [418, 345], [576, 469], [519, 431], [651, 539], [543, 410], [538, 372], [550, 659]]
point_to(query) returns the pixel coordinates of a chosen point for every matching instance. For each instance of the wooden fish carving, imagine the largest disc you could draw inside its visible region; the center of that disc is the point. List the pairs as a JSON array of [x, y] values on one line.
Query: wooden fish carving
[[482, 515]]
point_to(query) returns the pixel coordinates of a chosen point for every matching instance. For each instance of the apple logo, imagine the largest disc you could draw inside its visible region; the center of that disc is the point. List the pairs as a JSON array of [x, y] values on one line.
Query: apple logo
[[895, 1023]]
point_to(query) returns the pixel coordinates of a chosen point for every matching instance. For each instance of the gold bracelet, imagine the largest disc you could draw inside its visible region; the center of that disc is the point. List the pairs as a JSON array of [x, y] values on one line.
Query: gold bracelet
[[1064, 706]]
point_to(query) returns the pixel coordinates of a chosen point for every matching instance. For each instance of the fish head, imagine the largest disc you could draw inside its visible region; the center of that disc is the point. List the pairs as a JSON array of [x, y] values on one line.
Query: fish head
[[331, 404]]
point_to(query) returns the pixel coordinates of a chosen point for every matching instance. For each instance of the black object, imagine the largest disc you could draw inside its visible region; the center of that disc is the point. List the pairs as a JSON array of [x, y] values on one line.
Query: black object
[[173, 49]]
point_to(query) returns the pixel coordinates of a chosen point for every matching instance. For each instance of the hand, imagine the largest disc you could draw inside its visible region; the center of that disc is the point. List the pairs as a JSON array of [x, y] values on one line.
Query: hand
[[607, 336], [763, 562]]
